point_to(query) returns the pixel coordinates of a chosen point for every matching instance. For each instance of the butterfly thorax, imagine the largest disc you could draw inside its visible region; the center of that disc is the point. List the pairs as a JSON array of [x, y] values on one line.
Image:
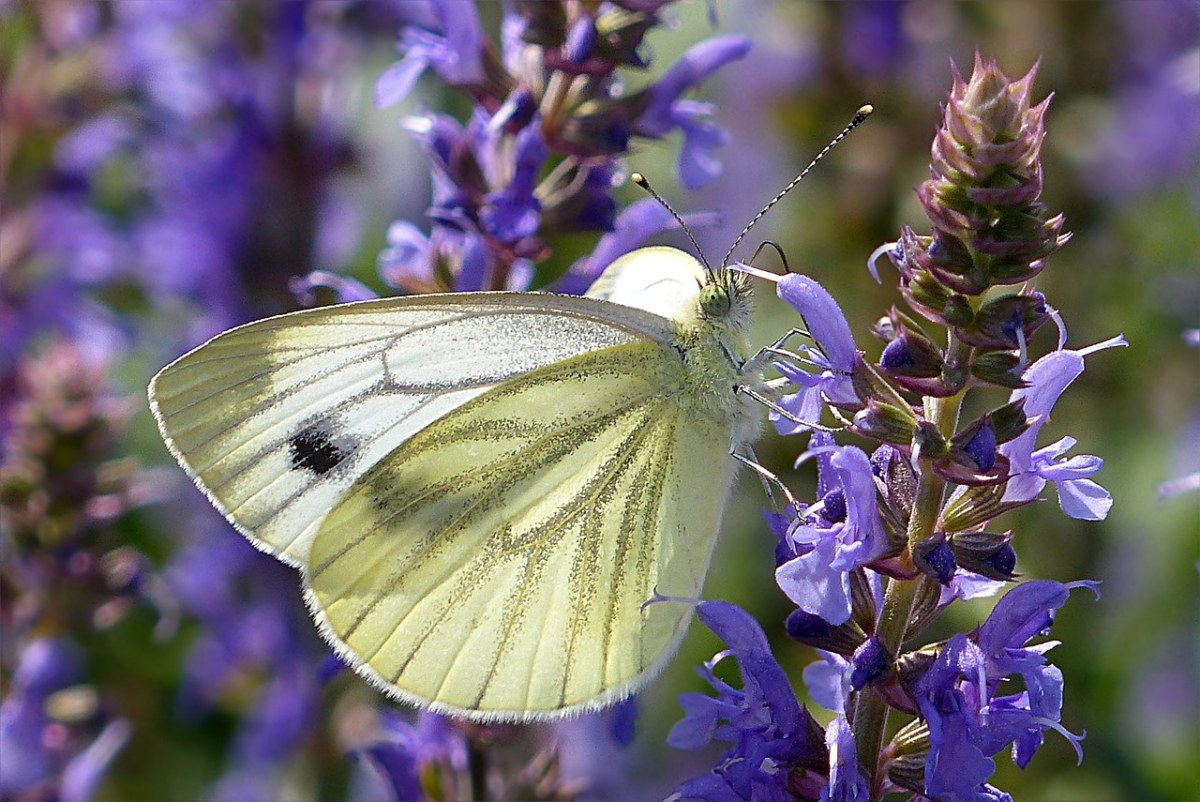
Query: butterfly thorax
[[714, 345]]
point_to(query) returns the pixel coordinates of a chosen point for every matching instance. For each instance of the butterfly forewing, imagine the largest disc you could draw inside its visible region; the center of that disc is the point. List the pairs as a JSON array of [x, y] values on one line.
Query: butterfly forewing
[[277, 419], [499, 562]]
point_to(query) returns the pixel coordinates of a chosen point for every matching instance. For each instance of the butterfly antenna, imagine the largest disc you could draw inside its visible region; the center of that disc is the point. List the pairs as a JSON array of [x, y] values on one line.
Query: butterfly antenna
[[857, 120], [641, 181]]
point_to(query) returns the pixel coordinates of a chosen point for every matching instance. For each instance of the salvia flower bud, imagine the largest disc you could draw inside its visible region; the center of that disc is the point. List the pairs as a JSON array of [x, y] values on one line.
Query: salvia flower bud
[[913, 362], [935, 558], [1001, 368], [886, 423], [975, 506], [927, 604], [909, 750], [814, 631], [929, 442], [871, 663], [863, 609], [988, 554], [897, 485], [908, 771], [1009, 421], [1006, 322], [973, 458]]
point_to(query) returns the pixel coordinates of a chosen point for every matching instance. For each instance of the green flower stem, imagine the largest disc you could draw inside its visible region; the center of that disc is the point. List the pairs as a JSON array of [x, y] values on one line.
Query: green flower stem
[[870, 711]]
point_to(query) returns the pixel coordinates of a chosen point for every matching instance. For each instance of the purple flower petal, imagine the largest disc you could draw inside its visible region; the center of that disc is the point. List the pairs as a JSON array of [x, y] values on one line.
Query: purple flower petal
[[846, 781], [84, 772], [398, 80], [956, 768], [823, 317], [473, 273], [514, 212], [804, 405], [1084, 500], [698, 162], [1047, 379], [699, 723], [828, 681], [408, 255], [465, 41], [733, 625], [814, 585], [1021, 614], [818, 580]]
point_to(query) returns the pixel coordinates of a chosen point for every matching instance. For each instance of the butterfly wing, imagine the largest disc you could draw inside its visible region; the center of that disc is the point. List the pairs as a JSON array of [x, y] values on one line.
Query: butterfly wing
[[276, 420], [498, 563]]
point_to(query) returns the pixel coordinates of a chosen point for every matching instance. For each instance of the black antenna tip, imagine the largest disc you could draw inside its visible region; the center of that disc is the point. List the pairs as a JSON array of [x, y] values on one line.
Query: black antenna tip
[[640, 180]]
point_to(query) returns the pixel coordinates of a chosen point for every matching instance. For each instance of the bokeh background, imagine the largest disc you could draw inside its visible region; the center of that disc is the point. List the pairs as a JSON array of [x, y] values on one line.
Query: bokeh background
[[166, 168]]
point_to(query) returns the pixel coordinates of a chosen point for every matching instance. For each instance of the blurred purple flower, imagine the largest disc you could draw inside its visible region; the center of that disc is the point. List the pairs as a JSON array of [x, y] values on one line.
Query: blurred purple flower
[[634, 224], [873, 36], [456, 55], [392, 765], [513, 212], [1154, 134], [666, 111], [550, 98], [345, 290], [1187, 448], [41, 758]]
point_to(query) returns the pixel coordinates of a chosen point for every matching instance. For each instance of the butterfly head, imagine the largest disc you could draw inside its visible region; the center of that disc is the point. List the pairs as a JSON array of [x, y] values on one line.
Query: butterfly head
[[725, 299]]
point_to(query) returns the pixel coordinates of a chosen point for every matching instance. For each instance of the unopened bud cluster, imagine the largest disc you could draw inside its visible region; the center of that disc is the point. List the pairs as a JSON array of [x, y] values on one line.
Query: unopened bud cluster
[[990, 229]]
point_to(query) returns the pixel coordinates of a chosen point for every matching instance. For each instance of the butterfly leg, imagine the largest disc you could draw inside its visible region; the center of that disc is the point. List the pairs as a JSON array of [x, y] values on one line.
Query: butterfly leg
[[766, 476], [783, 413], [776, 349]]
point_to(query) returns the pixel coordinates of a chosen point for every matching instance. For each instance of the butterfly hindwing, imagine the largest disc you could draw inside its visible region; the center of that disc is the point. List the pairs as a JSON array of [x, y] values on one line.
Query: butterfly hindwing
[[499, 562]]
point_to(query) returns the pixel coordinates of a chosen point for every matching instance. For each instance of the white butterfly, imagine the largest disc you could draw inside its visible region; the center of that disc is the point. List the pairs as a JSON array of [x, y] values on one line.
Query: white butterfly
[[485, 491]]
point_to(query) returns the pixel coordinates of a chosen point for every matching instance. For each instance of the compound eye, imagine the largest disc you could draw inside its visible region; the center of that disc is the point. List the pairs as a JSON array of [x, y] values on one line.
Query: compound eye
[[715, 301]]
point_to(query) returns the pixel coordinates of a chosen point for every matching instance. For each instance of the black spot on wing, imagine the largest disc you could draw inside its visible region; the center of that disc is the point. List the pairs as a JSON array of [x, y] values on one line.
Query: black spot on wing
[[318, 449]]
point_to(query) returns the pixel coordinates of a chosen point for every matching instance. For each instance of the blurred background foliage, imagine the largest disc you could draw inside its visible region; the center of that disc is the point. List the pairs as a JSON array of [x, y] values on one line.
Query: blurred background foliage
[[166, 168]]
